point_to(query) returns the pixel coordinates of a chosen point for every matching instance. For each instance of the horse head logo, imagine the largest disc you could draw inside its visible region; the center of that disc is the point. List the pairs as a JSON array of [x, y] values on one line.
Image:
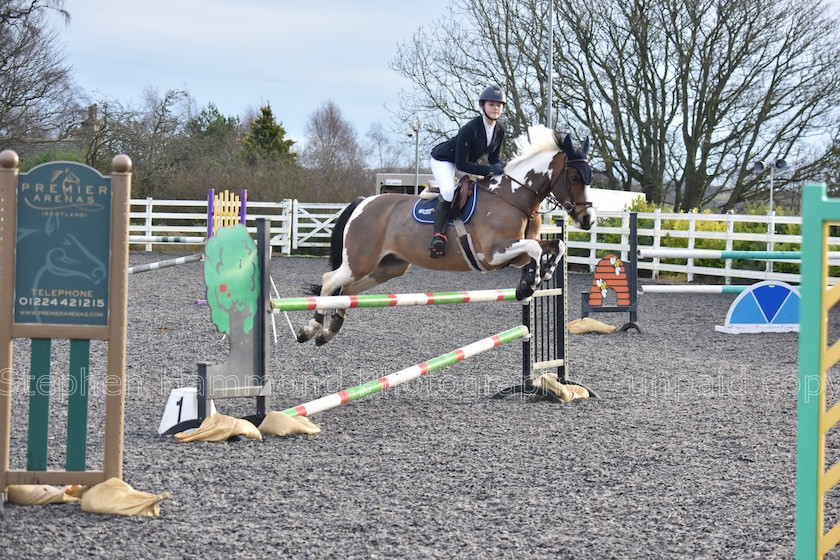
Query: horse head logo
[[66, 257]]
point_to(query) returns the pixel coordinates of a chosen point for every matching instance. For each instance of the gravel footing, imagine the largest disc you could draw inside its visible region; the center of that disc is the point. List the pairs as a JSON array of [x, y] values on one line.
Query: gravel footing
[[689, 451]]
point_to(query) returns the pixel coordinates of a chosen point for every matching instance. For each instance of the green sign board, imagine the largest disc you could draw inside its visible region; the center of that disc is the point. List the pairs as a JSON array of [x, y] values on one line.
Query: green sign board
[[62, 254]]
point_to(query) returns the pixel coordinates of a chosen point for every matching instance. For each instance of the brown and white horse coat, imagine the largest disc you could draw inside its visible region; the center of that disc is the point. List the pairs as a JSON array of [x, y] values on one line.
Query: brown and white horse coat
[[376, 239]]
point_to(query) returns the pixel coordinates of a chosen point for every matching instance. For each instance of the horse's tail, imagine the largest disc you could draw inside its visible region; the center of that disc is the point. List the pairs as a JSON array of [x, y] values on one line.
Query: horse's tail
[[337, 237]]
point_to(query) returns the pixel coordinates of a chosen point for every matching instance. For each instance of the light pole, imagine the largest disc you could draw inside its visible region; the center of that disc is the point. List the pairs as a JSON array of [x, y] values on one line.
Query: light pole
[[778, 165], [415, 128], [550, 85], [759, 167]]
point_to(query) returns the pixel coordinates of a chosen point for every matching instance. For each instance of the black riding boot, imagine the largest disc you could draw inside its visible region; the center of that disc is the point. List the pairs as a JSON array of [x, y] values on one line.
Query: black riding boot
[[438, 246]]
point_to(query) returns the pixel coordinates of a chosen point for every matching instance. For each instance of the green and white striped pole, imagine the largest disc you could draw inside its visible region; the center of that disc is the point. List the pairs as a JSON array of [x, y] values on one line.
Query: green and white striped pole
[[390, 300], [407, 374]]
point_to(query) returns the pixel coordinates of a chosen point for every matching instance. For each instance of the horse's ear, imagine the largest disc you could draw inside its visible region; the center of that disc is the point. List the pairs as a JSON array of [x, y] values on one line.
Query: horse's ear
[[568, 147], [585, 148]]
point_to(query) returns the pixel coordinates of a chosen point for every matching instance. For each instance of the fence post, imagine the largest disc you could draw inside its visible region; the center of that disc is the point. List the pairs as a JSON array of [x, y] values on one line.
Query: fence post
[[149, 210], [692, 228], [730, 230], [593, 238], [657, 232], [288, 213], [294, 225], [625, 235]]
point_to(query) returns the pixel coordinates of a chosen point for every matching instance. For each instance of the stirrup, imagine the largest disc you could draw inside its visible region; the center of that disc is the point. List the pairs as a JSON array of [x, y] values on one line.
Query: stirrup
[[438, 246]]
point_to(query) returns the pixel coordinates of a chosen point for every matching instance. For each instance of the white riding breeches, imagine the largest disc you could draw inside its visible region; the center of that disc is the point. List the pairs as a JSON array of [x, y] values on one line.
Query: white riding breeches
[[445, 175]]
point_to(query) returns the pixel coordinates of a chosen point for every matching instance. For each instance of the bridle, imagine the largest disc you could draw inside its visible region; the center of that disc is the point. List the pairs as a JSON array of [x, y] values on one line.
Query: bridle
[[569, 206]]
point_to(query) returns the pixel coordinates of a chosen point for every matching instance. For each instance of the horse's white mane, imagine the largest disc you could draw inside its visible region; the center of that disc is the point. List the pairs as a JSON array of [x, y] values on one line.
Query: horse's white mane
[[539, 138]]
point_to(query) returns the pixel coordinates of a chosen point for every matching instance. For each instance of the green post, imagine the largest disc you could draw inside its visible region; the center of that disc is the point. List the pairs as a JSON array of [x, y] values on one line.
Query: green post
[[39, 404], [817, 209], [77, 405]]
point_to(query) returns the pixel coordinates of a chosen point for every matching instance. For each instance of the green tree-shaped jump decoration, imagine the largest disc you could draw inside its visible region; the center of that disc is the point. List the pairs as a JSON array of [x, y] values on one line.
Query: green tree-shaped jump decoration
[[232, 277]]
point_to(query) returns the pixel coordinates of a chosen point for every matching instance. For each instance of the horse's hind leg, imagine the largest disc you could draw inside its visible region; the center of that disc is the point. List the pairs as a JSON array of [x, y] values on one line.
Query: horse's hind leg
[[331, 285], [388, 268], [311, 328]]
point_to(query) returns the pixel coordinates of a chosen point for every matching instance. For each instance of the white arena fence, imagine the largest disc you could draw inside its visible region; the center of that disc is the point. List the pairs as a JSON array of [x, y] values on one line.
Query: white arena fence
[[299, 226]]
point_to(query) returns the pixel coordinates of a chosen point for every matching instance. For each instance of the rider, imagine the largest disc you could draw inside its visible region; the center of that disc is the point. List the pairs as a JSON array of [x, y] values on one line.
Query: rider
[[457, 156]]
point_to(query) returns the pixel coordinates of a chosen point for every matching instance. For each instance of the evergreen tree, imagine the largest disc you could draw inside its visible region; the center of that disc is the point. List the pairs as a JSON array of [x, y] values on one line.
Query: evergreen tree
[[211, 125], [211, 133], [266, 139]]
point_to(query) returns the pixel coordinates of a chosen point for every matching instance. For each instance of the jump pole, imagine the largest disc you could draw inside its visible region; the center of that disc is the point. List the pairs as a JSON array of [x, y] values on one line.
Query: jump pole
[[691, 289], [164, 264], [166, 239], [390, 300], [398, 378], [726, 255]]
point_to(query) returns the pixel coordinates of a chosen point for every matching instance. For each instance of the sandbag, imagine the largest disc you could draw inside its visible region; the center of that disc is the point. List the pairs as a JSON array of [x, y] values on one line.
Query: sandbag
[[116, 497], [565, 392], [589, 325], [277, 423], [220, 427], [42, 494]]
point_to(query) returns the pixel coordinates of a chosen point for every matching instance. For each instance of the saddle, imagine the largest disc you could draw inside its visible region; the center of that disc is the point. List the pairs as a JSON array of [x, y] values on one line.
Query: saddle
[[465, 187], [463, 203], [463, 207]]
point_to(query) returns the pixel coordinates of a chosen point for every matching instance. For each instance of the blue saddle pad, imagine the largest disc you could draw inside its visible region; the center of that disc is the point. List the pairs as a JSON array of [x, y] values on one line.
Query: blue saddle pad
[[424, 210]]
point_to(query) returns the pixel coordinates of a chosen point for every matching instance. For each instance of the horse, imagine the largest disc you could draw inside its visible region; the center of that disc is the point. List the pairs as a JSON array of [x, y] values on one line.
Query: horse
[[375, 239]]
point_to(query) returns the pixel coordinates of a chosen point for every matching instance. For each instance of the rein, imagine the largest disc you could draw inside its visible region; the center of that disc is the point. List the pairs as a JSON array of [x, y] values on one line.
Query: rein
[[529, 214]]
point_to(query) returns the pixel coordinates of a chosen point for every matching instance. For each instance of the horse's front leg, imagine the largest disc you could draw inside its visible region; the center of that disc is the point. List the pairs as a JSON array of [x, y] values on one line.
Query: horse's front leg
[[552, 252], [529, 281], [528, 253]]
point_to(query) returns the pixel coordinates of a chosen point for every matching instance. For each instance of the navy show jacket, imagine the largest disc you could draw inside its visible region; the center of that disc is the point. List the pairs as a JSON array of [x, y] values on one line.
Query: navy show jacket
[[470, 144]]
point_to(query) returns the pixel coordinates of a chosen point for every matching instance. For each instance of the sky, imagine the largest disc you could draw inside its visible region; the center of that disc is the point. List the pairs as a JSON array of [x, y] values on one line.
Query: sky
[[242, 54]]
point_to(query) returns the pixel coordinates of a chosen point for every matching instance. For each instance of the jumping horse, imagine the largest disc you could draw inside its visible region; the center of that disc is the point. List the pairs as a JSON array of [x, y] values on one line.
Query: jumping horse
[[375, 239]]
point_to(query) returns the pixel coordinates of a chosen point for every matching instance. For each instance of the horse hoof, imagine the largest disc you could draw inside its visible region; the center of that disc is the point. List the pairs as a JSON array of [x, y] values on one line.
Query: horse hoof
[[323, 337], [309, 330], [523, 292]]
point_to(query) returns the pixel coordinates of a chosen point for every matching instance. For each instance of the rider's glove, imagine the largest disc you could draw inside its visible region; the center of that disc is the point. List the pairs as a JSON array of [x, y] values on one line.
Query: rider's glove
[[497, 169]]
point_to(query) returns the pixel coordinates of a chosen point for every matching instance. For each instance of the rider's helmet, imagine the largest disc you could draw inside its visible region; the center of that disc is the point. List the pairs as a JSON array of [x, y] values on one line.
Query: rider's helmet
[[492, 93]]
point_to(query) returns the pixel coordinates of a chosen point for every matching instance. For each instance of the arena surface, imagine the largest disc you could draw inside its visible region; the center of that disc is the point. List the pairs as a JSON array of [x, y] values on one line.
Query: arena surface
[[689, 451]]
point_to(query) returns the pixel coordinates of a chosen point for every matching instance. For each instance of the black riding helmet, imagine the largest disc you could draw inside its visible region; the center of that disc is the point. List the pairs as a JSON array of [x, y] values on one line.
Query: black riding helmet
[[492, 93]]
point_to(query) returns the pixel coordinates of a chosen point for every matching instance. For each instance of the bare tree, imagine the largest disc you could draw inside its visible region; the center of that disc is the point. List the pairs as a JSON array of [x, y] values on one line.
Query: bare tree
[[679, 95], [333, 152], [153, 134], [384, 154], [37, 96], [477, 44]]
